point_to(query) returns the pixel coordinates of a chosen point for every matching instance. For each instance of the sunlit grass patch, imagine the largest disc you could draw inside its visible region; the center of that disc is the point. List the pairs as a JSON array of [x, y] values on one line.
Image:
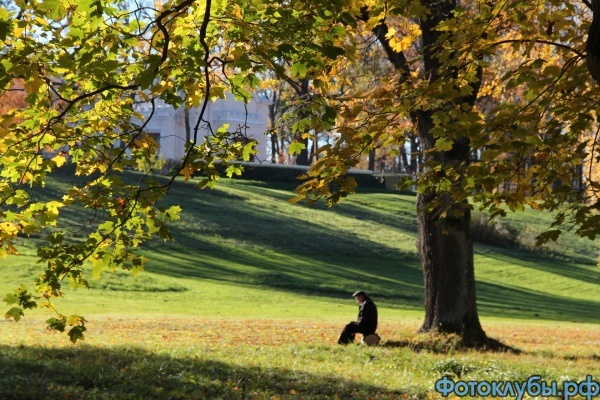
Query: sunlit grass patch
[[194, 358]]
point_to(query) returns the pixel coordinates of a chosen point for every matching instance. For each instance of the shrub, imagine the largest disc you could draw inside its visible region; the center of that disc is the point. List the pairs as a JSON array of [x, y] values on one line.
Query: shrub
[[494, 232]]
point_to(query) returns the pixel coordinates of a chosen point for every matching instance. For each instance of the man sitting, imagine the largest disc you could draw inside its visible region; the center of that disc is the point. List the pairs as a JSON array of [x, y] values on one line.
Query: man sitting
[[366, 322]]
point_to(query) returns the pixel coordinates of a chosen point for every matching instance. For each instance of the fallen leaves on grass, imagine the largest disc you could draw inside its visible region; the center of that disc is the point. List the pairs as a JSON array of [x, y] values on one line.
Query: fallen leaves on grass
[[264, 358]]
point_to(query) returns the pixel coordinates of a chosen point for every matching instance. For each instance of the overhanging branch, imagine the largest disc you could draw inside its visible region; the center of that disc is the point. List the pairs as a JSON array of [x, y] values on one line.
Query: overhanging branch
[[542, 41]]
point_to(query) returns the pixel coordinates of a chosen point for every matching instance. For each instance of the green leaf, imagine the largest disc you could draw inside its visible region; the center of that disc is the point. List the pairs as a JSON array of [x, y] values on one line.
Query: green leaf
[[296, 148], [75, 320], [11, 298], [98, 9], [76, 333], [299, 70], [15, 313], [146, 77], [54, 9], [444, 144], [552, 70], [550, 235], [56, 324], [333, 51], [99, 266], [172, 213], [22, 297], [248, 151], [56, 237], [5, 24], [234, 169]]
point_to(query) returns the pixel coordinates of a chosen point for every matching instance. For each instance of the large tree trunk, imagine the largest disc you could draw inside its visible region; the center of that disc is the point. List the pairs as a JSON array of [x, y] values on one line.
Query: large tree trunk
[[446, 253], [445, 249], [593, 42]]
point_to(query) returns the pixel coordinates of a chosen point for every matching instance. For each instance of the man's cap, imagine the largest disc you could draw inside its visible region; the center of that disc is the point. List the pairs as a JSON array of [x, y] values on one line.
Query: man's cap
[[359, 293]]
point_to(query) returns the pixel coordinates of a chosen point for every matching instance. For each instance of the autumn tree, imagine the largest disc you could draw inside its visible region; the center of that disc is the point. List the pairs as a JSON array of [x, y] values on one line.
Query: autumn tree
[[85, 65], [539, 107]]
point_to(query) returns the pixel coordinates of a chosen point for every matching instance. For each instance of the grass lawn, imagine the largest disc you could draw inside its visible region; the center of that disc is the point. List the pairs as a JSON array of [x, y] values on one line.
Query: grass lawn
[[250, 298]]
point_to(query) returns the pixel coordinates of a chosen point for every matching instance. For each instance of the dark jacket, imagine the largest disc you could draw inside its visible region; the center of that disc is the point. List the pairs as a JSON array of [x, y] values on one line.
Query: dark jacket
[[367, 316]]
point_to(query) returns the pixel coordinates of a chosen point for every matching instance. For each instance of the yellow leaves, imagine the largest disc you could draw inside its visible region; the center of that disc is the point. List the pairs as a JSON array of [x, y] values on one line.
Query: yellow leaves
[[217, 92], [59, 160], [376, 12], [8, 230], [162, 87], [34, 85], [236, 12], [27, 177], [373, 22], [489, 90], [52, 208], [147, 142], [187, 172], [10, 249], [403, 41], [402, 44]]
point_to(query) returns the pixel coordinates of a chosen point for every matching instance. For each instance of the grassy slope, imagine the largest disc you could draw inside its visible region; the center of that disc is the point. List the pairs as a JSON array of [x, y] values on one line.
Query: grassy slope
[[273, 282], [244, 245]]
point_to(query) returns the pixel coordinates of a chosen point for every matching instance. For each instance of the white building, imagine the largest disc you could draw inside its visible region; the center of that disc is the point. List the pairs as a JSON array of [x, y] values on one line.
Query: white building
[[167, 125]]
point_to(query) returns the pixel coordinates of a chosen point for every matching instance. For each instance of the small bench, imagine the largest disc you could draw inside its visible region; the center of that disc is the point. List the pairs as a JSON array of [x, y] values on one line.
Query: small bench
[[371, 340]]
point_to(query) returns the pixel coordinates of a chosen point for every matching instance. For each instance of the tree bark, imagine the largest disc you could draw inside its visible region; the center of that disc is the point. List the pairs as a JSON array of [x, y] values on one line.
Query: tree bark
[[593, 42], [186, 121], [273, 110], [302, 91], [446, 253], [372, 156], [304, 157]]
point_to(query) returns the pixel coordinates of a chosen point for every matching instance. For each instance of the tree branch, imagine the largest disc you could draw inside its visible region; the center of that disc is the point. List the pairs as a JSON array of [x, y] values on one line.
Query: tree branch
[[564, 46], [202, 38], [165, 32], [397, 58], [587, 3]]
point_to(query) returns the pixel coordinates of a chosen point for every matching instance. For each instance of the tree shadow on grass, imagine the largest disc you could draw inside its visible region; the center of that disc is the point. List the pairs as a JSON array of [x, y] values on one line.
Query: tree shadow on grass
[[224, 237], [573, 267], [444, 344], [126, 373], [515, 302]]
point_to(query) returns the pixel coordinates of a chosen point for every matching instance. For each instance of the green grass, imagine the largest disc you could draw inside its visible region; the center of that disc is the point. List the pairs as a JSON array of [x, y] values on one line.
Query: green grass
[[194, 358], [249, 300]]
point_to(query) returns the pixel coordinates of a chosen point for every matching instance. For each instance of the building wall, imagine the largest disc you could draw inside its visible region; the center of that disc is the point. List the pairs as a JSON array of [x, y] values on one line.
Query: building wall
[[168, 124]]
